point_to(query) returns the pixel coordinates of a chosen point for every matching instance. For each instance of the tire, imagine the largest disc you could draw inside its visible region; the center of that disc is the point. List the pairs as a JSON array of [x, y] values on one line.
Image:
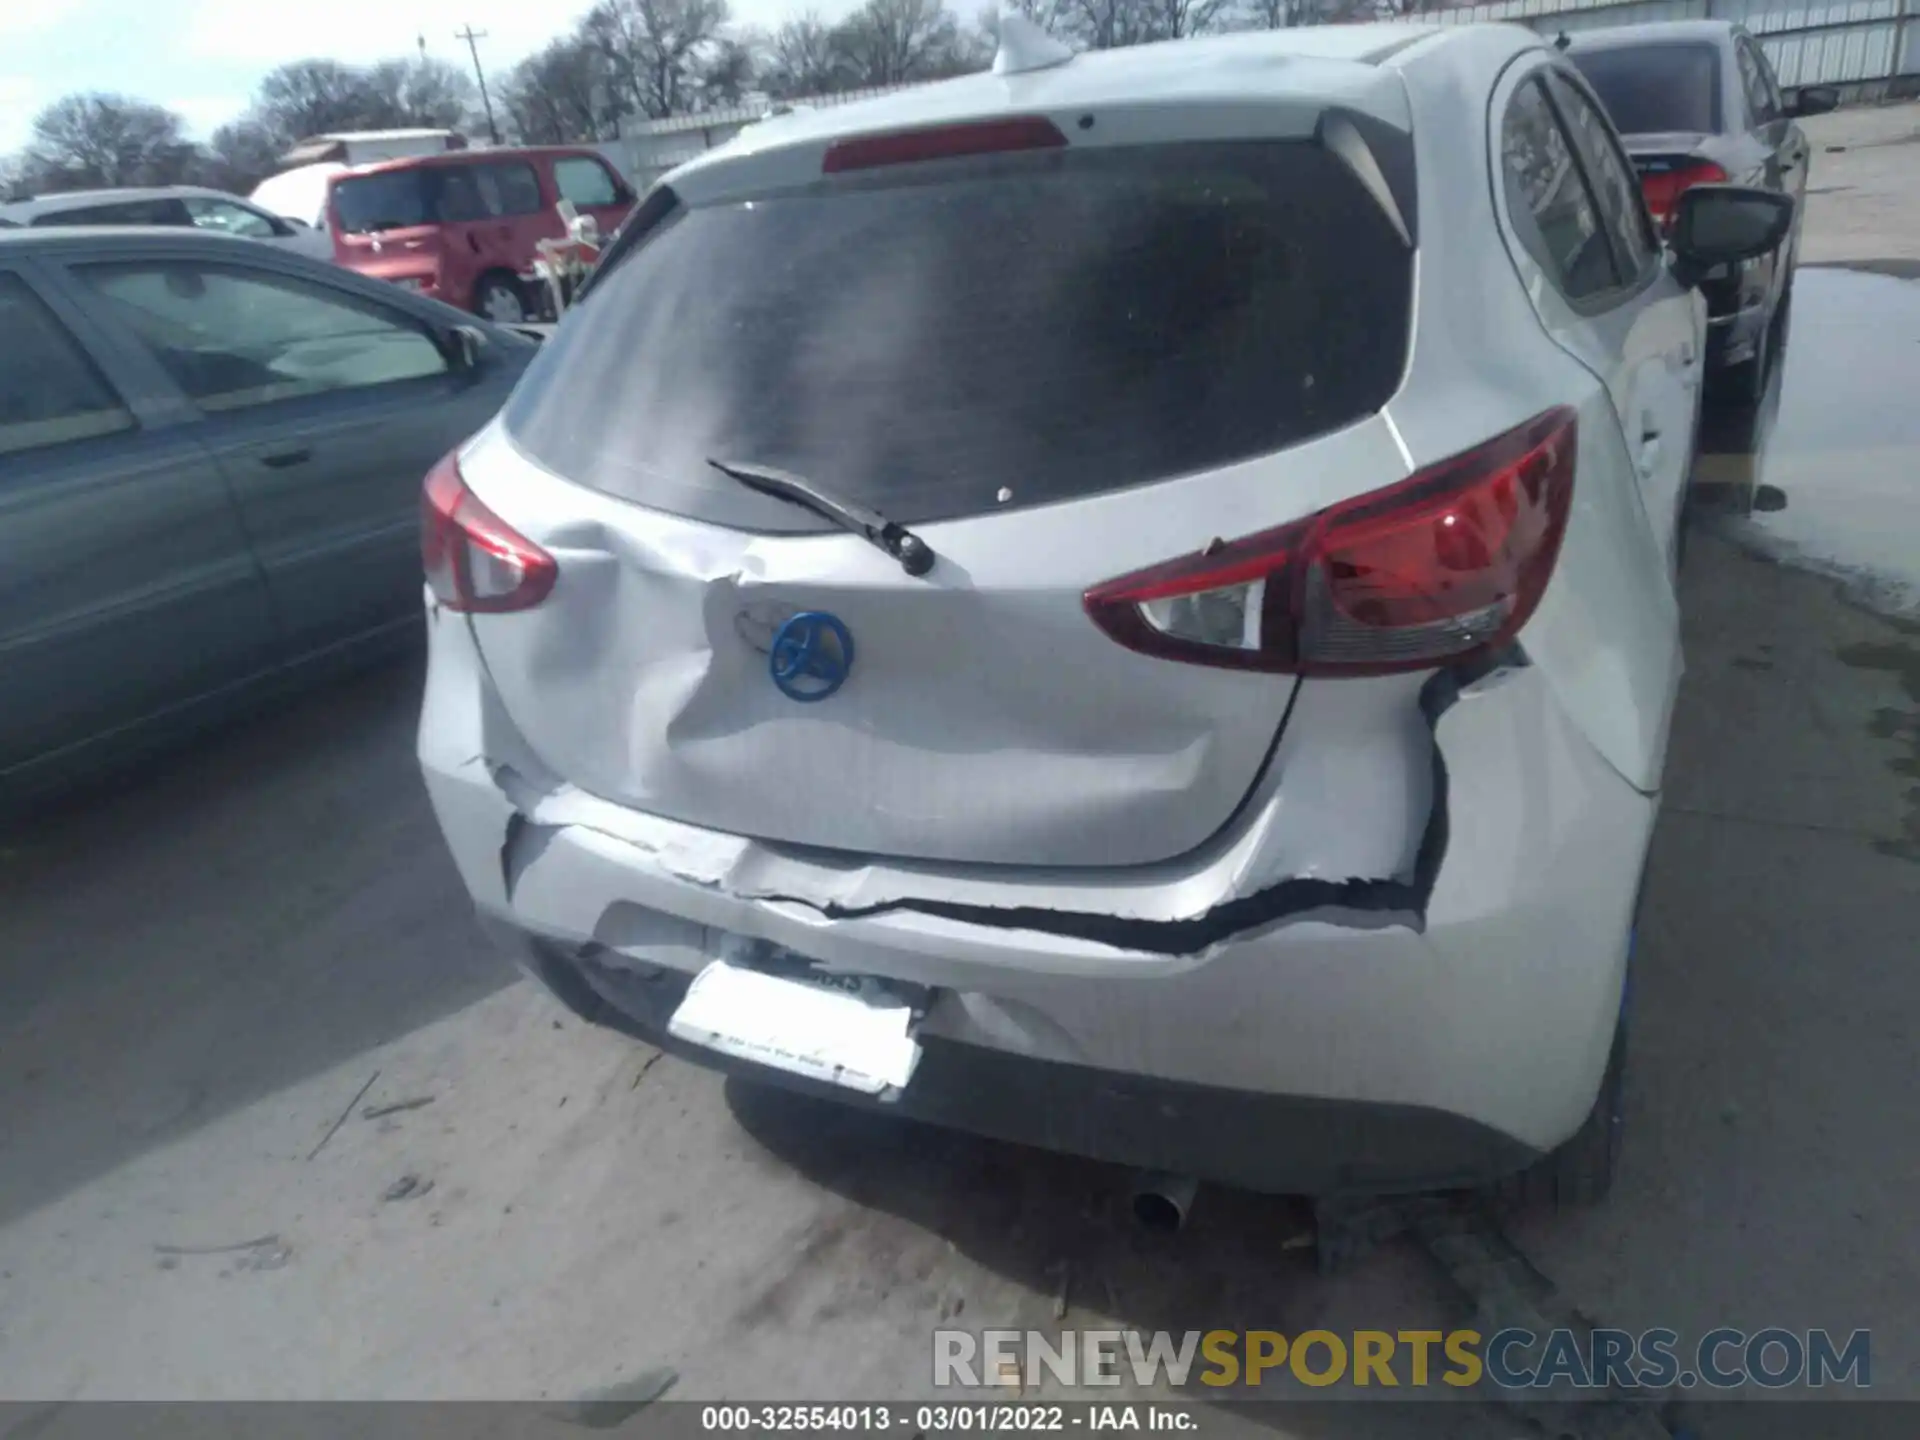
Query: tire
[[497, 297], [1745, 384], [1783, 319], [1579, 1173]]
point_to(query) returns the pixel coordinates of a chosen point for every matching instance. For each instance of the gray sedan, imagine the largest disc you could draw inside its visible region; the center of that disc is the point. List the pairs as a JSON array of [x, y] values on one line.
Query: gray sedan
[[210, 464], [171, 205]]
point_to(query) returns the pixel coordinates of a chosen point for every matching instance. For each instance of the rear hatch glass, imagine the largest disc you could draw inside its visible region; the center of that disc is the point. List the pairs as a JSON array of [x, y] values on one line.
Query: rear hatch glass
[[1656, 89], [953, 339], [1027, 342]]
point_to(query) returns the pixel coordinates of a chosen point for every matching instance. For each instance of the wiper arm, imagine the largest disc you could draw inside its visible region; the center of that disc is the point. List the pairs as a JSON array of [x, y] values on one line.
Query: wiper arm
[[913, 553]]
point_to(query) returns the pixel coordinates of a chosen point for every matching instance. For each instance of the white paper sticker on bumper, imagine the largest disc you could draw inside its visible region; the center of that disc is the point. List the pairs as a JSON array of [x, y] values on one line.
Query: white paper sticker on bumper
[[827, 1035]]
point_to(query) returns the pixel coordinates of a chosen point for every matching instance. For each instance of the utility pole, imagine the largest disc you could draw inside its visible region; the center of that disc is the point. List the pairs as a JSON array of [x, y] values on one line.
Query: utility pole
[[472, 37]]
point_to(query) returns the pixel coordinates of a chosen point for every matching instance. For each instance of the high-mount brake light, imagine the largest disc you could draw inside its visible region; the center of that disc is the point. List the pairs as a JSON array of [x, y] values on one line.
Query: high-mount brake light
[[943, 142]]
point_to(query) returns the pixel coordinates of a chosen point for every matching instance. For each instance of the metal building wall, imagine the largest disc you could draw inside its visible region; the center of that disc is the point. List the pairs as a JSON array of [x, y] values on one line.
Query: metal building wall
[[1871, 48]]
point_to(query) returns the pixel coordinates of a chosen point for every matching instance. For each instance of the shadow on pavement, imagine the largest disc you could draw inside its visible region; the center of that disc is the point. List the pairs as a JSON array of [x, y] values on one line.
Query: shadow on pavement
[[1775, 999], [1061, 1229], [242, 914]]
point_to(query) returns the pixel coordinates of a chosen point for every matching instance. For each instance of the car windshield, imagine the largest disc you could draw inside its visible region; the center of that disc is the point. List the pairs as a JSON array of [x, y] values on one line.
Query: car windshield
[[1048, 326], [1656, 88]]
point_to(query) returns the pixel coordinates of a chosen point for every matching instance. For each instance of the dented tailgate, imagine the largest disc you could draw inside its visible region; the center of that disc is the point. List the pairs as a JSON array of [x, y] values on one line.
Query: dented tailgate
[[1056, 367]]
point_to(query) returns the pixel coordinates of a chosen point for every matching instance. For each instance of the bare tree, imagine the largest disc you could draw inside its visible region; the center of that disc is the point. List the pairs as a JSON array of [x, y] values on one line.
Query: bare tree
[[1276, 14], [1177, 19], [564, 93], [313, 97], [241, 154], [1328, 12], [727, 74], [319, 96], [1108, 24], [656, 48], [886, 42], [107, 140], [1052, 16], [802, 59], [423, 92]]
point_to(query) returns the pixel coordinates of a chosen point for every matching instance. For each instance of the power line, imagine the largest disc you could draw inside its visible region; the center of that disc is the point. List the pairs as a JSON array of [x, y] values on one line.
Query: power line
[[473, 37]]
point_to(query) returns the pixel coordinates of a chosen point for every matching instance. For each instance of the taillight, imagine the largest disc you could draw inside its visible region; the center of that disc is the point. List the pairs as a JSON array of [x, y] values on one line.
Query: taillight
[[944, 142], [474, 560], [1663, 187], [1451, 560]]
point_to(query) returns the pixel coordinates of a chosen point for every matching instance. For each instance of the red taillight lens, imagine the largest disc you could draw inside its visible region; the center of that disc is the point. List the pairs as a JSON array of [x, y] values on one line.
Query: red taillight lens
[[1663, 187], [1449, 561], [474, 560], [946, 142]]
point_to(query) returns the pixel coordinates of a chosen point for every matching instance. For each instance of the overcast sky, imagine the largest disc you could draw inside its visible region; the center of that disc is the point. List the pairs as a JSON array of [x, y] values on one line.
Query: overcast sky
[[203, 57]]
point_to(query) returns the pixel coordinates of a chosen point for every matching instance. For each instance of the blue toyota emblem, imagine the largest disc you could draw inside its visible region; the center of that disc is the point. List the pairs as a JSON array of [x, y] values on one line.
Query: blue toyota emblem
[[811, 656]]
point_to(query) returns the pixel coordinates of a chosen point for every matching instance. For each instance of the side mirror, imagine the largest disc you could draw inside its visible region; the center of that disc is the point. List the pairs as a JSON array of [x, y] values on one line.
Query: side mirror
[[1717, 225], [463, 345], [1813, 100]]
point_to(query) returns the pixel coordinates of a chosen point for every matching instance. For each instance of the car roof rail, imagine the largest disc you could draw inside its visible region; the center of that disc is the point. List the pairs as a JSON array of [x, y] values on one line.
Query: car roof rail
[[1025, 47]]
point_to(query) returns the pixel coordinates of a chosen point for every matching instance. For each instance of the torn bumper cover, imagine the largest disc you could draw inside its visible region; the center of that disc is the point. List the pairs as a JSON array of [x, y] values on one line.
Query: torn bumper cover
[[1242, 1014]]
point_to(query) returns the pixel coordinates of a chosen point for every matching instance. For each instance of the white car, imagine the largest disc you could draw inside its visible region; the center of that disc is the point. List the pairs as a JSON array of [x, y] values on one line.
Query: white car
[[299, 195], [172, 205], [1125, 604]]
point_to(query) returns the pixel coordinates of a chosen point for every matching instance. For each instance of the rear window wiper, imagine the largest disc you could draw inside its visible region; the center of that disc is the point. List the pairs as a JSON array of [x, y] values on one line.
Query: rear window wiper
[[913, 553]]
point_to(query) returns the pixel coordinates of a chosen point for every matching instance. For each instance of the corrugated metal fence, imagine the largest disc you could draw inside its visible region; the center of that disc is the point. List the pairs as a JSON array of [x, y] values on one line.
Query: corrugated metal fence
[[1870, 48]]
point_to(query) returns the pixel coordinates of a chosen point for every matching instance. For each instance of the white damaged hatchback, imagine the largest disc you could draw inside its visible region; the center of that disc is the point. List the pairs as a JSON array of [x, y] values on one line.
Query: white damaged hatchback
[[1123, 604]]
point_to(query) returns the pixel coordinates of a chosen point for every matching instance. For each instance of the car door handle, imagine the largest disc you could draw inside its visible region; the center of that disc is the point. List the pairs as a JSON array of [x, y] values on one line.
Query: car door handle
[[286, 459]]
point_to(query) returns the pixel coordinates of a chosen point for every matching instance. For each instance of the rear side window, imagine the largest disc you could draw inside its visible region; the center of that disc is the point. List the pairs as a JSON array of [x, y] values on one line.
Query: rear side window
[[50, 394], [585, 182], [963, 337], [509, 188], [233, 338], [1615, 186], [123, 212], [1776, 102], [233, 219], [1649, 89], [456, 193], [436, 195], [1547, 198], [1762, 103]]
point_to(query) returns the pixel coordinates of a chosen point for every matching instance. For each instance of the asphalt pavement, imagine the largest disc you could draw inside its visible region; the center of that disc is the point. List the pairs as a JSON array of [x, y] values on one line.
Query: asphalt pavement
[[214, 977]]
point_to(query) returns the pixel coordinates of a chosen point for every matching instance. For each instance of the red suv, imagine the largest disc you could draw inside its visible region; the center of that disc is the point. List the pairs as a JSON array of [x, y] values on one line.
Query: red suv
[[463, 226]]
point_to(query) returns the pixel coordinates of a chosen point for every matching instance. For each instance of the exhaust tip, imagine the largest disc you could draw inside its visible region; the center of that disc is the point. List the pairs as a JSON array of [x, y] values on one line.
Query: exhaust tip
[[1161, 1203]]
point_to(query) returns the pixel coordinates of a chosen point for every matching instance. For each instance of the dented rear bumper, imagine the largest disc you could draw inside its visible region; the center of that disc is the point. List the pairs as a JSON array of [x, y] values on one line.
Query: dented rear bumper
[[1400, 966], [1288, 1144]]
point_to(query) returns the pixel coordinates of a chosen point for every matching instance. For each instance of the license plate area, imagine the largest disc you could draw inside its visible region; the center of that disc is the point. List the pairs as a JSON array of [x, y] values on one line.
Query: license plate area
[[853, 1031]]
